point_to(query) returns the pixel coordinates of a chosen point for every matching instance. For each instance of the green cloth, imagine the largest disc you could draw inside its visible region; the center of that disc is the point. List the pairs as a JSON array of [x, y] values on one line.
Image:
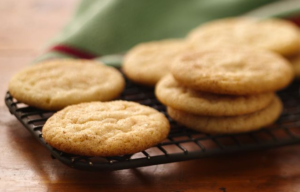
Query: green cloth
[[106, 27]]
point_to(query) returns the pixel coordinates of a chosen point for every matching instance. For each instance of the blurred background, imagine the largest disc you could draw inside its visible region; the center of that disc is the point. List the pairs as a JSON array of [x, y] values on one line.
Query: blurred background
[[26, 27]]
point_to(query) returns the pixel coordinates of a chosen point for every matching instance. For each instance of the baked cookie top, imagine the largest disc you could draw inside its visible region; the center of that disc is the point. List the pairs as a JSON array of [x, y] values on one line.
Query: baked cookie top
[[147, 62], [233, 71], [54, 84], [229, 124], [280, 36], [172, 94], [105, 128]]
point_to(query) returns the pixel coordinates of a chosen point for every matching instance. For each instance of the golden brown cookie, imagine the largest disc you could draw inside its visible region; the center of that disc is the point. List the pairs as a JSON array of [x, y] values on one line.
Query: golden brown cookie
[[147, 62], [233, 71], [172, 94], [230, 124], [54, 84], [105, 128], [276, 35], [216, 33]]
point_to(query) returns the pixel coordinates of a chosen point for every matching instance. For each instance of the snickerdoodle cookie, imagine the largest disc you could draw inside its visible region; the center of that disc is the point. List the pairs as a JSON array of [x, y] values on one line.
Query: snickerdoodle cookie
[[280, 36], [147, 62], [54, 84], [172, 94], [233, 71], [229, 124], [105, 128]]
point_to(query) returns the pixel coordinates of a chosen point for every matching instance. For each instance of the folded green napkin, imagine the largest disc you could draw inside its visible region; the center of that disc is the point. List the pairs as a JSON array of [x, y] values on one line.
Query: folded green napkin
[[104, 29]]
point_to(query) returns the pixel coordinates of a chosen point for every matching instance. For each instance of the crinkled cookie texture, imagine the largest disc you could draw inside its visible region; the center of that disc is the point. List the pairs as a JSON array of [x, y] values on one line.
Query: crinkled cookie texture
[[55, 84], [172, 94], [233, 71], [230, 124], [105, 128], [280, 36], [147, 62]]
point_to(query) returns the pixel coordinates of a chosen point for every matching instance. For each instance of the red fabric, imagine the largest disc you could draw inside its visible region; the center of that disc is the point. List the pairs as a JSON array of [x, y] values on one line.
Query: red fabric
[[73, 51], [295, 19]]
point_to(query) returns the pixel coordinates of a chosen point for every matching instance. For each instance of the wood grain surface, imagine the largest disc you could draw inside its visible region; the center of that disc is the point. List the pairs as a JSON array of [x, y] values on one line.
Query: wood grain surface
[[25, 165]]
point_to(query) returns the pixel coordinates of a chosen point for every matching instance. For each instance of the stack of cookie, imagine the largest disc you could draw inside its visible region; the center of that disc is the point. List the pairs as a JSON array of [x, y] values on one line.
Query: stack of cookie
[[225, 90]]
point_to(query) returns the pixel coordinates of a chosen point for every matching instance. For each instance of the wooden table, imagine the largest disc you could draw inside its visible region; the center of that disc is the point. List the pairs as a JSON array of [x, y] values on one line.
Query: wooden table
[[27, 166]]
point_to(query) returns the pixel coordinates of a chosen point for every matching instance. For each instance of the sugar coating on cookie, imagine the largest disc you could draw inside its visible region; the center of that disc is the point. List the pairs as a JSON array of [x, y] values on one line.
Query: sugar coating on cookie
[[233, 71], [229, 124], [54, 84], [280, 36], [147, 62], [172, 94], [105, 128]]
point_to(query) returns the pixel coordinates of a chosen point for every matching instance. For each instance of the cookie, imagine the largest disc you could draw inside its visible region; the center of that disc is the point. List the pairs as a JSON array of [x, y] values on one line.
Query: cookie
[[55, 84], [280, 36], [171, 93], [229, 124], [233, 71], [105, 128], [147, 62], [215, 33]]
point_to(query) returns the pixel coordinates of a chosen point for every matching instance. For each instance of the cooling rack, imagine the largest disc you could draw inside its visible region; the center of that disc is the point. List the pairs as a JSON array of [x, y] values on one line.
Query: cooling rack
[[182, 144]]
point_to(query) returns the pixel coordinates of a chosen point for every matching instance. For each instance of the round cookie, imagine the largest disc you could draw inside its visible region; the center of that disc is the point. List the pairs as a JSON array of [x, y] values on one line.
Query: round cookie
[[105, 128], [231, 124], [172, 94], [55, 84], [280, 36], [233, 71], [147, 62]]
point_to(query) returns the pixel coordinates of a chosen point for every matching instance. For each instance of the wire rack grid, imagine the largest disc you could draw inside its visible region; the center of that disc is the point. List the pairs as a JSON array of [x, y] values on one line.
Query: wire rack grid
[[182, 143]]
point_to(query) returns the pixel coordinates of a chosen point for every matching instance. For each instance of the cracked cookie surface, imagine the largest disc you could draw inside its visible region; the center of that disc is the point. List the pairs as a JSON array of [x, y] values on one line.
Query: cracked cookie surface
[[105, 128], [230, 124], [233, 71], [280, 36], [54, 84], [148, 62], [172, 94]]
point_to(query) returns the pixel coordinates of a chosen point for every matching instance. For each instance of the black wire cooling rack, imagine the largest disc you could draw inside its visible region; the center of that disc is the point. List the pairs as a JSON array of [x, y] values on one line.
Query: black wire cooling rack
[[182, 144]]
